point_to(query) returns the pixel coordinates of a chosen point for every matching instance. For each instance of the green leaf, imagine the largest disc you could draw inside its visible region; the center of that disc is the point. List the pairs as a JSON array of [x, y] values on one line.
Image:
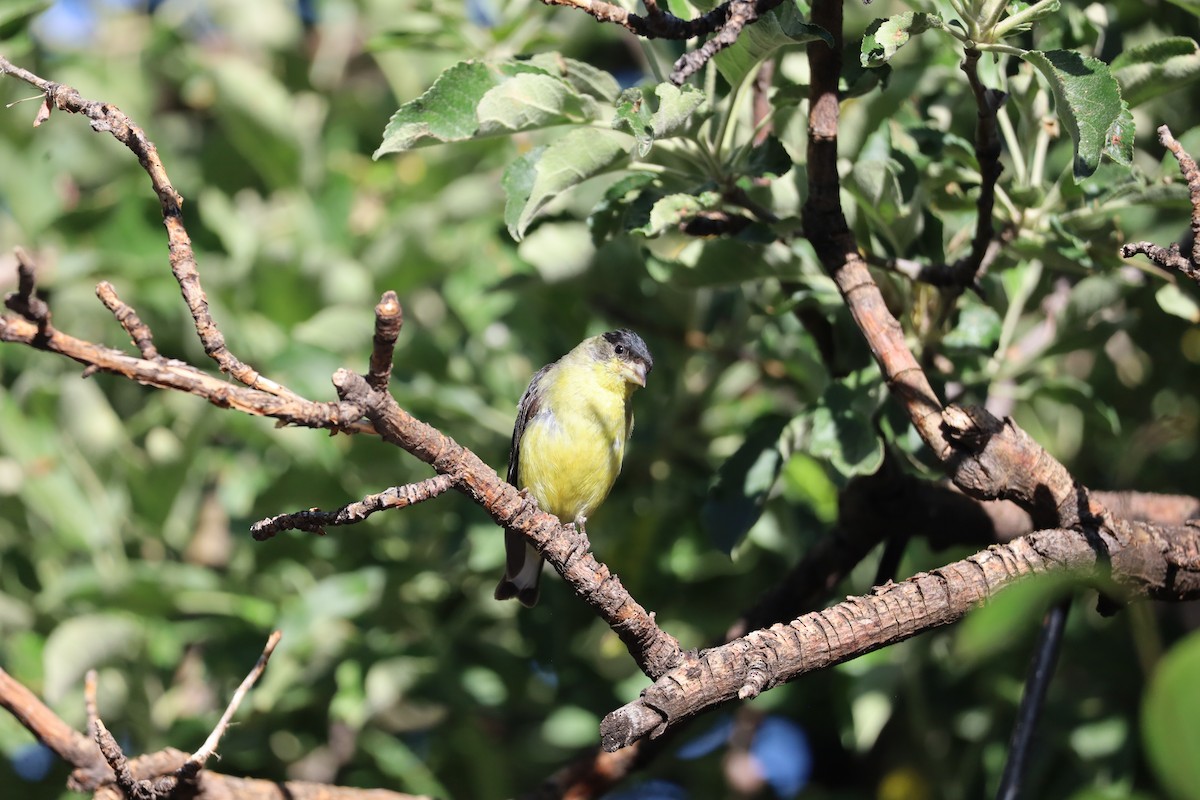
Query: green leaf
[[690, 263], [582, 76], [676, 104], [634, 117], [1088, 101], [978, 328], [1188, 5], [782, 27], [1010, 617], [885, 36], [610, 214], [1171, 719], [769, 160], [648, 121], [539, 176], [475, 99], [743, 483], [675, 209], [1149, 70], [1173, 301], [396, 759], [16, 16], [84, 642], [528, 102], [839, 429]]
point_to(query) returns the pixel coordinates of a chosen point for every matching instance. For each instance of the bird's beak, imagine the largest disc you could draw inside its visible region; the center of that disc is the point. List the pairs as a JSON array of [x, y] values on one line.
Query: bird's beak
[[635, 372]]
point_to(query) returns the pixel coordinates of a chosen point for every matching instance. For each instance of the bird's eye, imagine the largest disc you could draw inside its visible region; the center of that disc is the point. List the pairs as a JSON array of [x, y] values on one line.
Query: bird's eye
[[620, 349]]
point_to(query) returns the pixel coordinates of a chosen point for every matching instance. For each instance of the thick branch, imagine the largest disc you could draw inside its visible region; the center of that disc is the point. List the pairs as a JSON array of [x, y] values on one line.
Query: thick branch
[[1146, 560], [826, 228]]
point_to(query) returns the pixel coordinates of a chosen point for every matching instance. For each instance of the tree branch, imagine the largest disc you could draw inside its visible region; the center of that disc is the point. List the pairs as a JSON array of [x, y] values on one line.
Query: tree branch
[[315, 521], [1172, 258], [727, 20], [107, 118], [154, 775], [1146, 560], [566, 549]]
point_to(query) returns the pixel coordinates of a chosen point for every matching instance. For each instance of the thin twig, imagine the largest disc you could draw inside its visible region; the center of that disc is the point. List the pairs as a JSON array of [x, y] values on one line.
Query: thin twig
[[315, 521], [130, 786], [1172, 258], [138, 331], [389, 317], [107, 118], [201, 756], [727, 20], [24, 300], [987, 153], [183, 377]]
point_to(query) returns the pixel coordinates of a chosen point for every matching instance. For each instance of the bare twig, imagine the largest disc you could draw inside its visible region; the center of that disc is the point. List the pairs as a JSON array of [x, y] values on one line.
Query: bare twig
[[987, 153], [210, 745], [138, 331], [727, 20], [315, 521], [389, 317], [185, 378], [24, 300], [130, 786], [741, 14], [1172, 258], [1037, 683], [107, 118]]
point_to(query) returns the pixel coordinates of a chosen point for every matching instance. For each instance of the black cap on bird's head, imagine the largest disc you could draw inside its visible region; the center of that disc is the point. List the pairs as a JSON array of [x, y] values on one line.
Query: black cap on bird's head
[[629, 348]]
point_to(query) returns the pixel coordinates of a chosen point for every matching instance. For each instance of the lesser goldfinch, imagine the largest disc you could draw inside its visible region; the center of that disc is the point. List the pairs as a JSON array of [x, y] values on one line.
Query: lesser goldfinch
[[569, 439]]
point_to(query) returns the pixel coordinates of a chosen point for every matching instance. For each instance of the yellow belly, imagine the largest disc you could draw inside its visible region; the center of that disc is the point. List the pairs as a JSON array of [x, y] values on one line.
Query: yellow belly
[[570, 453]]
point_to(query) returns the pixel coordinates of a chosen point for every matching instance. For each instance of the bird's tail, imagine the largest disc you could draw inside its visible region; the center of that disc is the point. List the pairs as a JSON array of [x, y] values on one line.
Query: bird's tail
[[522, 571]]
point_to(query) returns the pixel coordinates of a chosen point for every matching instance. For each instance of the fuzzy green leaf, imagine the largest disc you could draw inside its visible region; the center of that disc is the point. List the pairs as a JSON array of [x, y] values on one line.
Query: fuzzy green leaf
[[535, 179], [474, 99], [782, 27], [885, 36], [1088, 100], [1149, 70]]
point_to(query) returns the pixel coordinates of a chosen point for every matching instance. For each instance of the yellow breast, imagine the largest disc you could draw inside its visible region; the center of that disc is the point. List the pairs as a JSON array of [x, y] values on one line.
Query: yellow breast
[[571, 450]]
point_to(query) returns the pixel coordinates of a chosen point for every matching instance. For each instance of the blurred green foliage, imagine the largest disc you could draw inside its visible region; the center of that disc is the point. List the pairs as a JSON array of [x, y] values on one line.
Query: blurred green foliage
[[124, 511]]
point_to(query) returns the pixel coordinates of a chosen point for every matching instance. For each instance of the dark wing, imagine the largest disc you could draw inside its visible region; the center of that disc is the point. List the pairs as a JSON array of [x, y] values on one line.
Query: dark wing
[[531, 401]]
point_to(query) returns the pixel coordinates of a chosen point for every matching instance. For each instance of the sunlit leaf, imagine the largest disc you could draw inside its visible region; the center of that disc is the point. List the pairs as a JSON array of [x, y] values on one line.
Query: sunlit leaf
[[885, 36], [478, 99], [783, 26], [1149, 70], [542, 174], [1088, 101]]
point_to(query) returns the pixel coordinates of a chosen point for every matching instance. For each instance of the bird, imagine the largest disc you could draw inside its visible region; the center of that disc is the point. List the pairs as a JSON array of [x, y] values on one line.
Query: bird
[[569, 440]]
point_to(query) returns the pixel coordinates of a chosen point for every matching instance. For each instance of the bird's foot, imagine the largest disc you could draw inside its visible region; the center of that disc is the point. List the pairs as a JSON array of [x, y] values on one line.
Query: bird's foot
[[578, 527]]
